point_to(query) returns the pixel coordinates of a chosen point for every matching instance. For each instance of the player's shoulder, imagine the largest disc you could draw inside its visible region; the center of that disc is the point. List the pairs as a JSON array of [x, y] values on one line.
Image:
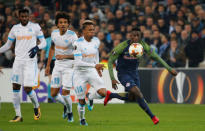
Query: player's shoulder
[[79, 40], [70, 32], [36, 25], [55, 31], [95, 38]]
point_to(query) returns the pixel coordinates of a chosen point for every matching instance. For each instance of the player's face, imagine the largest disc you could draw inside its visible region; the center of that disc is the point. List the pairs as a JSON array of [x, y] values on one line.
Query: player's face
[[135, 36], [24, 18], [89, 31], [63, 24]]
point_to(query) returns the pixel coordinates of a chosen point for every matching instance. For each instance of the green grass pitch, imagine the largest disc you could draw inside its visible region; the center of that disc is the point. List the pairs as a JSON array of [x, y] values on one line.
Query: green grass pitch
[[113, 117]]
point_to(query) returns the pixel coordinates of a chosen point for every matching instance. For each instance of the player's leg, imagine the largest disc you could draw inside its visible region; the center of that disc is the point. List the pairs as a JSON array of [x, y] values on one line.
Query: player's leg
[[16, 103], [143, 104], [79, 83], [67, 85], [99, 91], [56, 82], [140, 98], [81, 112], [16, 80], [68, 102], [30, 74]]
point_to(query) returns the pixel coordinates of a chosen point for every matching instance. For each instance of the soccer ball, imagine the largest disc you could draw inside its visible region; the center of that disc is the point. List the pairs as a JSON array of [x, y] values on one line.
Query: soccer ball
[[136, 50]]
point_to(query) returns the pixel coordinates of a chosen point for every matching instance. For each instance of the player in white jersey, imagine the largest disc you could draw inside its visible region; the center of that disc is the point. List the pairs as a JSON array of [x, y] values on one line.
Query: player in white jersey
[[87, 69], [62, 44], [25, 70]]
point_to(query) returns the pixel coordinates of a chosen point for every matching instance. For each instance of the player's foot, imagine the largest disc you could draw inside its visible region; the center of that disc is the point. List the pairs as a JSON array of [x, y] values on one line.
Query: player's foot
[[37, 113], [65, 114], [107, 98], [90, 103], [83, 122], [155, 120], [17, 119], [70, 117]]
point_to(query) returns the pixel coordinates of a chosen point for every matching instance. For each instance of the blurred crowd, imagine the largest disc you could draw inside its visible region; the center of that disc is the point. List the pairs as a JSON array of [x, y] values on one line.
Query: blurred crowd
[[174, 28]]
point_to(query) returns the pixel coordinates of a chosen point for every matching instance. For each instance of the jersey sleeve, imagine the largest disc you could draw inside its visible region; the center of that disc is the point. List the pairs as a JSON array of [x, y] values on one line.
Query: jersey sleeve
[[39, 32], [151, 53], [74, 38], [115, 53], [11, 35]]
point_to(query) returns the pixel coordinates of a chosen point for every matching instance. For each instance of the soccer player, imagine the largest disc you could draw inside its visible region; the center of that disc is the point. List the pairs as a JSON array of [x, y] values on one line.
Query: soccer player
[[87, 69], [25, 70], [62, 44], [128, 72]]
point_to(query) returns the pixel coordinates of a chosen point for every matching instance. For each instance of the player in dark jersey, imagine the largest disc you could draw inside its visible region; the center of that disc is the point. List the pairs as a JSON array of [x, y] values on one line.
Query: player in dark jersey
[[127, 72]]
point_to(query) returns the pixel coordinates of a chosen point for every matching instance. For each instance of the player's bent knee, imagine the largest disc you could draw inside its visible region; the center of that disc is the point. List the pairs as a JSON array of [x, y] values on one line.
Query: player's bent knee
[[27, 89], [102, 92], [16, 86], [82, 101], [136, 91], [54, 91], [65, 92]]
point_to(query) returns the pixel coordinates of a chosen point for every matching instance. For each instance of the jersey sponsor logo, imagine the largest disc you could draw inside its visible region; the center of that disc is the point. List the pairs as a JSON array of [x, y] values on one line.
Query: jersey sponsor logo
[[24, 37], [61, 47], [90, 55]]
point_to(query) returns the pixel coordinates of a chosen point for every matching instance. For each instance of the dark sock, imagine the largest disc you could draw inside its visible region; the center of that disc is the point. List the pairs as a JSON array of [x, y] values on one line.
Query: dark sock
[[121, 96], [144, 106]]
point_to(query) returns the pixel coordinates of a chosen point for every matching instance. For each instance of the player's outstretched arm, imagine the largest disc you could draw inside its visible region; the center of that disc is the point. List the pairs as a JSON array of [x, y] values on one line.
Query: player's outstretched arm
[[112, 58], [151, 52], [50, 56], [6, 46]]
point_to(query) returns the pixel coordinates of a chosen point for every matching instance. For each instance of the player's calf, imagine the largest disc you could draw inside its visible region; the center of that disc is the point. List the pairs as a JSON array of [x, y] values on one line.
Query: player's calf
[[90, 102]]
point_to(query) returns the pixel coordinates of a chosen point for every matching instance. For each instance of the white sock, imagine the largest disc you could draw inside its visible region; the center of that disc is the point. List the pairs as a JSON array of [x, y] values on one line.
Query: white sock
[[16, 102], [94, 95], [60, 99], [33, 98], [81, 111], [68, 102]]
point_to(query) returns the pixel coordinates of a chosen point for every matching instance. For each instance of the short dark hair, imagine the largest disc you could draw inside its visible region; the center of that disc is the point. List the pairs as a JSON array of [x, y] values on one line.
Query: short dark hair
[[62, 15], [87, 22], [24, 10]]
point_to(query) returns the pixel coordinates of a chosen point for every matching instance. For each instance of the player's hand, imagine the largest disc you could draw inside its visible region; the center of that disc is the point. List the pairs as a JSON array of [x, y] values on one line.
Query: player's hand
[[60, 57], [33, 51], [40, 65], [114, 84], [99, 68], [174, 72], [47, 71]]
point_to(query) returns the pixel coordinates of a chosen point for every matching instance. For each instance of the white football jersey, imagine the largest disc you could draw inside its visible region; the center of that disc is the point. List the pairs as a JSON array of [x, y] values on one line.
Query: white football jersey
[[64, 45], [88, 50], [26, 38]]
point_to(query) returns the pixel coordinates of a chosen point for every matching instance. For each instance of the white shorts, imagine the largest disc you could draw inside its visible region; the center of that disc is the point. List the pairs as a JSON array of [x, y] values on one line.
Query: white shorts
[[25, 73], [82, 77], [62, 76]]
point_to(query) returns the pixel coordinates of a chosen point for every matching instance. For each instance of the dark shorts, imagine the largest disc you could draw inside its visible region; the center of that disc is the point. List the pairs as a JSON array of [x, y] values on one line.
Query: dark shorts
[[51, 65], [129, 79]]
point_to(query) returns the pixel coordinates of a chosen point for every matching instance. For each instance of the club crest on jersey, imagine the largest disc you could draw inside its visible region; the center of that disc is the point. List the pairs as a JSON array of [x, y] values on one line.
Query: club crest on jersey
[[127, 84], [66, 41], [30, 30]]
